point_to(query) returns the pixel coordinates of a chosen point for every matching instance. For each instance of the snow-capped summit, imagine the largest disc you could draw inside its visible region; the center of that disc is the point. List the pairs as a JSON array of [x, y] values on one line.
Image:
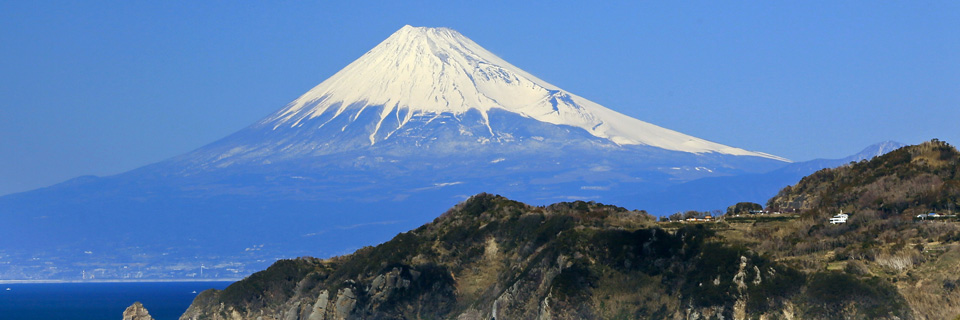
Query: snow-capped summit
[[416, 124], [419, 74]]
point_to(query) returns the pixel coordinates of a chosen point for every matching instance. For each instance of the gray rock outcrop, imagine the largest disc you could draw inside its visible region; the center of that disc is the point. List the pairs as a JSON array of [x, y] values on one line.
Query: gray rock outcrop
[[136, 311]]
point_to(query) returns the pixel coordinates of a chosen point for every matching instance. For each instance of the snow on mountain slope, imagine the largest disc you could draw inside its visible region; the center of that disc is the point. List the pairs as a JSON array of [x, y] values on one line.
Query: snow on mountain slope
[[423, 73], [412, 127]]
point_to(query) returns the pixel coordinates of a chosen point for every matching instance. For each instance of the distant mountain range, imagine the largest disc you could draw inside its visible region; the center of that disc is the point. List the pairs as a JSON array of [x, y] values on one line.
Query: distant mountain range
[[417, 124], [716, 192]]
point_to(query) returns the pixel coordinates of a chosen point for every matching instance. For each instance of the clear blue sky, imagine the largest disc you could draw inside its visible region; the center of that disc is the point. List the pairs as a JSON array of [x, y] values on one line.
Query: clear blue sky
[[103, 87]]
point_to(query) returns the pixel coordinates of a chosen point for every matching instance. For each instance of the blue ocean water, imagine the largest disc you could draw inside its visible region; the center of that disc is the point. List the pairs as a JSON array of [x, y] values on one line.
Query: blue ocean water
[[97, 301]]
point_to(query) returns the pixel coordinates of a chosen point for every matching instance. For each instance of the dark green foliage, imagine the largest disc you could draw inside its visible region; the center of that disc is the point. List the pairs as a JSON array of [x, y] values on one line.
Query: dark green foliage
[[574, 281], [694, 237], [479, 204], [715, 262], [951, 285], [583, 206], [778, 284], [551, 227], [743, 208], [371, 259], [828, 293], [312, 280], [646, 250], [278, 280]]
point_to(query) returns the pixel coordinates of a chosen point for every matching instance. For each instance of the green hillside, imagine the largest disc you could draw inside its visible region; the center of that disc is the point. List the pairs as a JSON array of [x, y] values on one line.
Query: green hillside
[[491, 257]]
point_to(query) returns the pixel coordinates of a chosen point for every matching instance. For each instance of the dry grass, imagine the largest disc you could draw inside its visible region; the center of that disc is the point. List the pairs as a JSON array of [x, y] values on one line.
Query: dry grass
[[836, 265], [482, 275], [899, 261], [626, 296], [928, 295]]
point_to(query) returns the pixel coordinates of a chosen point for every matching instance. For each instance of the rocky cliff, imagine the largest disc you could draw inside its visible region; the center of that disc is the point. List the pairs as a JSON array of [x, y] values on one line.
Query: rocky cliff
[[136, 311]]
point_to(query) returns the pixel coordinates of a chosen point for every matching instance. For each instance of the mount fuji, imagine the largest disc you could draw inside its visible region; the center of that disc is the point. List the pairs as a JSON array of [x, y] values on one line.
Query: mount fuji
[[415, 125]]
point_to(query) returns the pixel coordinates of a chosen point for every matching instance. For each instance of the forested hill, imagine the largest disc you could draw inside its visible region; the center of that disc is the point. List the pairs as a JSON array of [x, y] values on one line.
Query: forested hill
[[902, 227], [911, 180], [493, 258]]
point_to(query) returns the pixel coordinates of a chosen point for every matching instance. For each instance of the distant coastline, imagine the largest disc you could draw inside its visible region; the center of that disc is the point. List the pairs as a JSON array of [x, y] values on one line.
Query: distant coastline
[[116, 281], [87, 300]]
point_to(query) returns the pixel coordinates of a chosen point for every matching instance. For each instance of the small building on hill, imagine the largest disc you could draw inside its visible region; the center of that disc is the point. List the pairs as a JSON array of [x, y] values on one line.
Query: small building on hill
[[933, 216], [840, 218]]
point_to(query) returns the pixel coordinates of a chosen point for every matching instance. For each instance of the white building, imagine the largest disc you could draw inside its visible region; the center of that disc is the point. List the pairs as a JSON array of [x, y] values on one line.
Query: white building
[[840, 218]]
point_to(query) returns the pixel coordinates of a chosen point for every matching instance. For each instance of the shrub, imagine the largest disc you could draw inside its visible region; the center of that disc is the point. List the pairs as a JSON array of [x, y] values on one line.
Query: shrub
[[829, 293], [855, 267]]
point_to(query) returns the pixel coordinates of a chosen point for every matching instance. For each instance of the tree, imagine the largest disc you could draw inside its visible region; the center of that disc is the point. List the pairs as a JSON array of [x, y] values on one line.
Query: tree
[[676, 217], [743, 207]]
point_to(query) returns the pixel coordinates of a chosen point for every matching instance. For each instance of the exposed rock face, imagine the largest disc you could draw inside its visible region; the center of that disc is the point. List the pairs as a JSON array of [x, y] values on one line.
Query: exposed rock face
[[346, 300], [136, 311], [319, 310]]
